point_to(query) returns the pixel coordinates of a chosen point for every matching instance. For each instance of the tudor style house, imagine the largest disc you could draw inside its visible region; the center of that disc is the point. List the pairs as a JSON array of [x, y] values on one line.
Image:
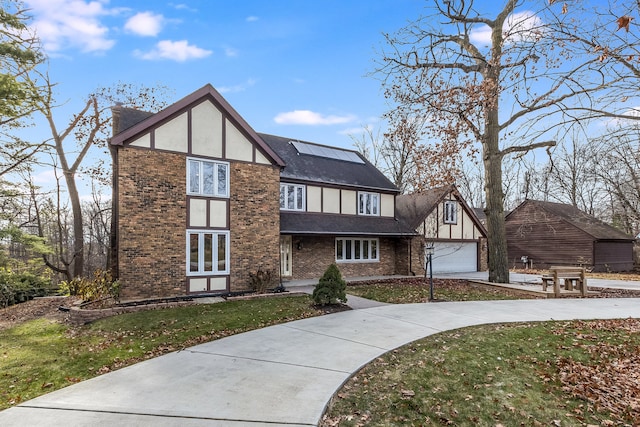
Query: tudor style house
[[335, 206], [201, 201], [443, 220]]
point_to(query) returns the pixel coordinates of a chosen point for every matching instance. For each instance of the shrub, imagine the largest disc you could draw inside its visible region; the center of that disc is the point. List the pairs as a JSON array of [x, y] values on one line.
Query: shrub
[[331, 287], [20, 287], [100, 286], [262, 280]]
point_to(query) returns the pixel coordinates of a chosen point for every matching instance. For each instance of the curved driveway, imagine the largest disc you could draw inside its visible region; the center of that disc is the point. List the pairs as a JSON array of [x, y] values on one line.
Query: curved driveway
[[280, 375]]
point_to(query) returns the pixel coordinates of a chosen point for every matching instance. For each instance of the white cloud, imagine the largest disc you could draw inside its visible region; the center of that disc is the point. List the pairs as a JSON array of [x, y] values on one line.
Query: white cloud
[[46, 177], [632, 113], [252, 18], [62, 24], [237, 88], [231, 52], [145, 24], [481, 35], [307, 117], [182, 6], [357, 130], [179, 51], [519, 26]]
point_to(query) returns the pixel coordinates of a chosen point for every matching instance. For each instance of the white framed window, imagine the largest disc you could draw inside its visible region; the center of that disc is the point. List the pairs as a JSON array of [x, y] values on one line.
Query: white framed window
[[356, 250], [207, 178], [292, 197], [368, 203], [207, 252], [450, 212]]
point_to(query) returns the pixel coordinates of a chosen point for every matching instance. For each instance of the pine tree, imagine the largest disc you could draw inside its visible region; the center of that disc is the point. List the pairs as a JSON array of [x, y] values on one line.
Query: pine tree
[[331, 287]]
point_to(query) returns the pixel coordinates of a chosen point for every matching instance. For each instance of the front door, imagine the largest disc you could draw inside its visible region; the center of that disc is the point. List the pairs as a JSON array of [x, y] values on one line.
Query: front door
[[285, 256]]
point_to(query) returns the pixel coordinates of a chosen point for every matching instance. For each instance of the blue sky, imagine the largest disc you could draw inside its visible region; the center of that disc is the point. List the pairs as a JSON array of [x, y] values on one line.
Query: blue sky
[[291, 68]]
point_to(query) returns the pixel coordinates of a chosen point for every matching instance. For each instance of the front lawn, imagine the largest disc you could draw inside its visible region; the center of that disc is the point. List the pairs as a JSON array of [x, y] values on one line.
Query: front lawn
[[415, 290], [42, 355], [533, 374]]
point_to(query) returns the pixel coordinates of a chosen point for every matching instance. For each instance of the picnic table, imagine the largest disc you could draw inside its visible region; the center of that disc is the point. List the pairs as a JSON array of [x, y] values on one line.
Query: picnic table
[[570, 277]]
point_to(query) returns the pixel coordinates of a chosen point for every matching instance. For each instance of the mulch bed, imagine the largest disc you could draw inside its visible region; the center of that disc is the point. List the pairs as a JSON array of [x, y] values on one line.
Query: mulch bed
[[46, 307]]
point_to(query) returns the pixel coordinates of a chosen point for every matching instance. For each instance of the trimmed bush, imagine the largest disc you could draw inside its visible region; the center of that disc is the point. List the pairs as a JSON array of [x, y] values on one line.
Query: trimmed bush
[[331, 289]]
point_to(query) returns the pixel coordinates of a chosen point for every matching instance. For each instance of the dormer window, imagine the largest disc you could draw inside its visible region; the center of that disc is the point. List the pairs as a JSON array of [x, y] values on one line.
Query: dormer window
[[368, 203], [292, 197], [450, 212]]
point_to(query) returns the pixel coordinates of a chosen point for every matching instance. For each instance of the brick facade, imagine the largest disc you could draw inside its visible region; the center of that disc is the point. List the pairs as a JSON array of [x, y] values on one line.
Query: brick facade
[[153, 217], [254, 220], [151, 223], [403, 253], [318, 253]]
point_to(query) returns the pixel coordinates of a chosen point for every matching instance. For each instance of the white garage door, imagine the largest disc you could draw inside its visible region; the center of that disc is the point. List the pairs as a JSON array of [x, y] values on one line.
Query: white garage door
[[452, 257]]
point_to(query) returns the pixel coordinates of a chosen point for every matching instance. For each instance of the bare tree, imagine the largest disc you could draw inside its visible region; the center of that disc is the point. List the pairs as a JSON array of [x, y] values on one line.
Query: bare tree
[[511, 83], [90, 127], [619, 169], [573, 176], [393, 153], [369, 144]]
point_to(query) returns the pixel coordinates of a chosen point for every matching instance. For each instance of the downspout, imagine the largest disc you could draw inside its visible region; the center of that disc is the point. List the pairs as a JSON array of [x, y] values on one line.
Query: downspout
[[113, 263], [411, 272]]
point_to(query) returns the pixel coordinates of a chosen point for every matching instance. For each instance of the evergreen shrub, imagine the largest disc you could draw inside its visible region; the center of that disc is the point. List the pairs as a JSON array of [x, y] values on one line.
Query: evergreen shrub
[[331, 289]]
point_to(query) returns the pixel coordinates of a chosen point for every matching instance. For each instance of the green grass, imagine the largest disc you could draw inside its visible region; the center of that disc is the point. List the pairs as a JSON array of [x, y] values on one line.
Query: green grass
[[416, 290], [484, 376], [40, 356]]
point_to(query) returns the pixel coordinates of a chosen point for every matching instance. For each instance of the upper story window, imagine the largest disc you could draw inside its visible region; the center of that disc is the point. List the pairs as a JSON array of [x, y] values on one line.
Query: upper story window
[[292, 197], [207, 178], [368, 203], [450, 212]]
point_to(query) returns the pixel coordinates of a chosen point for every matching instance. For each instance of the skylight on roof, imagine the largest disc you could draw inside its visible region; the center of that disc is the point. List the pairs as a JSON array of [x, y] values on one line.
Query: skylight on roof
[[327, 152]]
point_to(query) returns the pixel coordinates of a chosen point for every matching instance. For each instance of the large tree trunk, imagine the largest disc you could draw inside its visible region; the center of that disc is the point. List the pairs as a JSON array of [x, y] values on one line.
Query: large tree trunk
[[78, 225], [497, 235]]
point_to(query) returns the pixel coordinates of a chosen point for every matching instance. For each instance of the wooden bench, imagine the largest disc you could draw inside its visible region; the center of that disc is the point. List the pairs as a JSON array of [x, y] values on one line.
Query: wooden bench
[[568, 276]]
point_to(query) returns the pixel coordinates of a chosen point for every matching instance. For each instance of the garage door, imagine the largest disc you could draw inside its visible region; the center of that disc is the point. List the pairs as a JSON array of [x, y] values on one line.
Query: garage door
[[451, 257]]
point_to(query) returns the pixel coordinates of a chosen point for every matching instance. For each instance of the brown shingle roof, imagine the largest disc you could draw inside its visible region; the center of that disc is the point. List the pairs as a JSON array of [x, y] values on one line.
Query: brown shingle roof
[[414, 208], [581, 220]]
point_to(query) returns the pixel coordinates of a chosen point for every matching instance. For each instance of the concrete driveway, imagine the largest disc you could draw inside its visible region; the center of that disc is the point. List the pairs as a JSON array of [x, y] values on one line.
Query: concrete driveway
[[282, 375]]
